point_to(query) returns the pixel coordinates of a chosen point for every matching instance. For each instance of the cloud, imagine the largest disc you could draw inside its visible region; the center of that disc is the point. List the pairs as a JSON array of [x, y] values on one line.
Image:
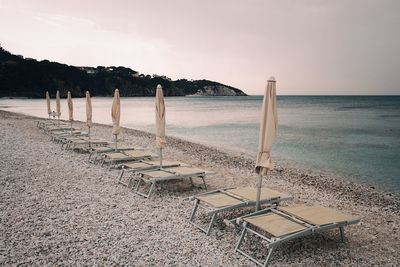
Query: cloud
[[312, 47]]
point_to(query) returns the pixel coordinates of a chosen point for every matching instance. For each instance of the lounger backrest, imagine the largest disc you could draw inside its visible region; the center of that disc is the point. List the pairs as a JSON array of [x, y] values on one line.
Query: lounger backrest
[[317, 215], [137, 165], [275, 224], [115, 155], [137, 153], [165, 163], [250, 193], [219, 200], [157, 174], [184, 170], [174, 171]]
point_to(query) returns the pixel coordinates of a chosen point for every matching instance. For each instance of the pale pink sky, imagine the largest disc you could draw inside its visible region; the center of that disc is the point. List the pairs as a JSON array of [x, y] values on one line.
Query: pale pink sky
[[311, 47]]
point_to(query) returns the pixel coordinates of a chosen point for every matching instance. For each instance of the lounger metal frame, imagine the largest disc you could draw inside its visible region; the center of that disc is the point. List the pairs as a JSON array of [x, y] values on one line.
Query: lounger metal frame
[[93, 155], [213, 212], [133, 171], [273, 242], [72, 145], [113, 162], [139, 180]]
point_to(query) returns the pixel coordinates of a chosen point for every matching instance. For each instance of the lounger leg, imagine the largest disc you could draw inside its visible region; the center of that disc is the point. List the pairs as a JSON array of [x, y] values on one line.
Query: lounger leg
[[204, 182], [241, 236], [129, 182], [151, 189], [194, 210], [191, 181], [138, 185], [237, 249], [342, 237], [271, 249], [211, 224], [121, 173]]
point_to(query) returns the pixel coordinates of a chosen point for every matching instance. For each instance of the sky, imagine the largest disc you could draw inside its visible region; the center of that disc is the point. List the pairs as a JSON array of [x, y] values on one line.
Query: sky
[[311, 47]]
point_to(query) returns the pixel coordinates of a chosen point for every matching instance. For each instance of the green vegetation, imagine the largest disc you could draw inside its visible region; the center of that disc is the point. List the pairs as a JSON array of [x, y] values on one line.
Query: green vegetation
[[26, 77]]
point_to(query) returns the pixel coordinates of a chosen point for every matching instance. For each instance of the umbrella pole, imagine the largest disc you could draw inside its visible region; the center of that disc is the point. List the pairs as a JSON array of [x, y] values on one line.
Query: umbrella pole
[[71, 127], [116, 141], [258, 206], [90, 146], [160, 158]]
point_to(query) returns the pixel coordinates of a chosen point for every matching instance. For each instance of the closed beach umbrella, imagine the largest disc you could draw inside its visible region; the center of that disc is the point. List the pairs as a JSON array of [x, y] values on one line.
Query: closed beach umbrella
[[58, 105], [160, 121], [70, 107], [116, 114], [89, 122], [48, 103], [267, 135]]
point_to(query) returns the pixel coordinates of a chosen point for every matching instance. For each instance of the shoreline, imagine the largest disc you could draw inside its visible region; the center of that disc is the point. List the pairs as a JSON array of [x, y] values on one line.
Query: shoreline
[[319, 179], [51, 196]]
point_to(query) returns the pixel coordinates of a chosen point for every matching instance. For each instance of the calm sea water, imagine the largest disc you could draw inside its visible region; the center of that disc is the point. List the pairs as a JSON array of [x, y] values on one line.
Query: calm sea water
[[356, 137]]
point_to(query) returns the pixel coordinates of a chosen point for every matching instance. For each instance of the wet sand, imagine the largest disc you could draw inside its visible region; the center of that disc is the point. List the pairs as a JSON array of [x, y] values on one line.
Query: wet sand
[[59, 209]]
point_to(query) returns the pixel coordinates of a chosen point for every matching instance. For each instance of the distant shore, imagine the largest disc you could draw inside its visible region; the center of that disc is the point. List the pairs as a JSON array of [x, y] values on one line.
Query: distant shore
[[59, 209]]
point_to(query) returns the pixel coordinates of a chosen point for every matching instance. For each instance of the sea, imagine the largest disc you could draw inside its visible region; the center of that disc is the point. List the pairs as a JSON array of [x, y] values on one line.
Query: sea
[[350, 137]]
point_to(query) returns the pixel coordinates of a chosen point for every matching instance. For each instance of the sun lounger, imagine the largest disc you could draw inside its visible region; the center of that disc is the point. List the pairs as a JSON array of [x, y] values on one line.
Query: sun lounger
[[96, 152], [221, 200], [61, 127], [59, 136], [279, 225], [143, 165], [42, 124], [152, 177], [83, 141], [113, 158]]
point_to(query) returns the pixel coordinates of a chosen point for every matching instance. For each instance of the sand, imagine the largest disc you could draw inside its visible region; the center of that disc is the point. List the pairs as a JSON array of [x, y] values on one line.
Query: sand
[[58, 209]]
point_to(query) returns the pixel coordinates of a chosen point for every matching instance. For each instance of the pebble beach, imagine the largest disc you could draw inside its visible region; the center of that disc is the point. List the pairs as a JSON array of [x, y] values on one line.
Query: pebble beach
[[56, 208]]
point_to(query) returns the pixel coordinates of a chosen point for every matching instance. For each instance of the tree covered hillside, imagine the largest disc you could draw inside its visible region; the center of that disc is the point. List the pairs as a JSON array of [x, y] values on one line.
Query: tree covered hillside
[[27, 77]]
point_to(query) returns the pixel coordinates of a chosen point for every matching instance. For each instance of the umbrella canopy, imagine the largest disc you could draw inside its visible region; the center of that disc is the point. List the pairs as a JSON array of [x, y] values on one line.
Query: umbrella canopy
[[267, 135], [58, 105], [116, 113], [268, 129], [160, 118], [89, 122], [48, 103], [70, 107]]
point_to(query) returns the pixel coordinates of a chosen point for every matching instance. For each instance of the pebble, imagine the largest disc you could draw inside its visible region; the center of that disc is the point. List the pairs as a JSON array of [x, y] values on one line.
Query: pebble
[[57, 209]]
